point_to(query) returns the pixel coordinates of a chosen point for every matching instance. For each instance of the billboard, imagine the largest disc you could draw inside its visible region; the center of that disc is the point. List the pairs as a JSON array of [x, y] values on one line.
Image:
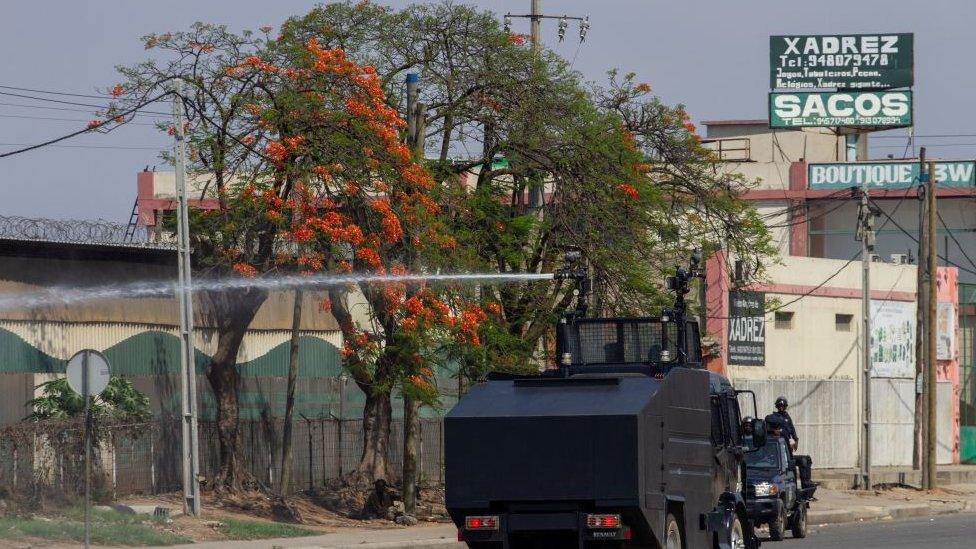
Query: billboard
[[887, 175], [850, 61], [892, 338], [875, 109], [747, 328]]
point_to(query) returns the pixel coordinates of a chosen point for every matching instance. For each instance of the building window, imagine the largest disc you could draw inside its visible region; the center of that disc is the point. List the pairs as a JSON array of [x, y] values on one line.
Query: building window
[[784, 320], [842, 323]]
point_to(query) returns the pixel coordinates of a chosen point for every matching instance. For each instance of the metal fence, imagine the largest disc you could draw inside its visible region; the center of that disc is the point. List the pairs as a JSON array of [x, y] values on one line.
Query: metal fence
[[146, 459]]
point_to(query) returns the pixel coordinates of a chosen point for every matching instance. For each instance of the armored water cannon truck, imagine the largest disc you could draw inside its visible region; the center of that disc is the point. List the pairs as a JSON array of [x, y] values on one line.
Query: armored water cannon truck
[[628, 443]]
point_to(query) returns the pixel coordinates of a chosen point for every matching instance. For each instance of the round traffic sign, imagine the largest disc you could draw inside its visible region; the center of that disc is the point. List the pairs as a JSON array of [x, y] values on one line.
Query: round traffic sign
[[98, 372]]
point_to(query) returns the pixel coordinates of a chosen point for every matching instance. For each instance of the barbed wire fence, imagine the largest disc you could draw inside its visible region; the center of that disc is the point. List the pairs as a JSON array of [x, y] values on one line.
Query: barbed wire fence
[[80, 231]]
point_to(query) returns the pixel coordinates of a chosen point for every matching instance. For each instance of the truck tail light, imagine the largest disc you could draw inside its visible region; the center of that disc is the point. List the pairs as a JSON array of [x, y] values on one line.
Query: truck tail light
[[603, 521], [489, 522]]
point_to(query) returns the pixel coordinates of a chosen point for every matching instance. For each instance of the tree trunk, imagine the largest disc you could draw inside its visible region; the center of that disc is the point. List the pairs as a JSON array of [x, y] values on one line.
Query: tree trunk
[[411, 449], [286, 443], [232, 314], [377, 419]]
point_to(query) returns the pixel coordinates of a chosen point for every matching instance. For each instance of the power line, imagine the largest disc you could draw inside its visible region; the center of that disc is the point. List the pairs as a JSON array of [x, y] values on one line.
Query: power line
[[76, 103], [85, 130], [120, 147], [925, 136], [805, 294], [67, 94], [953, 237], [929, 145], [66, 109], [915, 239], [52, 118]]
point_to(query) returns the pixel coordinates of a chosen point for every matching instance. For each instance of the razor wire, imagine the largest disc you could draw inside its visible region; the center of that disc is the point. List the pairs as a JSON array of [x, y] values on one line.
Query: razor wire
[[80, 231]]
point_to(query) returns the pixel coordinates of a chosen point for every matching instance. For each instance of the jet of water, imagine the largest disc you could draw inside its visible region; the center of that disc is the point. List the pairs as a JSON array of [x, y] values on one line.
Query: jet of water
[[54, 296]]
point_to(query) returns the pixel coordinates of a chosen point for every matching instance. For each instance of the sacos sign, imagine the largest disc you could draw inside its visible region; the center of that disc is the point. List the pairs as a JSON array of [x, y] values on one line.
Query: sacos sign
[[888, 109]]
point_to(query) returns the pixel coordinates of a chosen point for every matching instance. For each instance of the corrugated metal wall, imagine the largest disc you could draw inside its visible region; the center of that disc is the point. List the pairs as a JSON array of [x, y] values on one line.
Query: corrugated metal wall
[[826, 414]]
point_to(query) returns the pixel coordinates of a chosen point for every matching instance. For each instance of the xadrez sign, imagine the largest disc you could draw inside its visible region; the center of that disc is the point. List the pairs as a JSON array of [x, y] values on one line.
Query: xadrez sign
[[889, 109], [853, 61]]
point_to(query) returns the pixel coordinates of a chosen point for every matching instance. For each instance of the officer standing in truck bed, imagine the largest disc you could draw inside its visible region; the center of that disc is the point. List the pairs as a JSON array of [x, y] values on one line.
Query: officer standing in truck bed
[[782, 417]]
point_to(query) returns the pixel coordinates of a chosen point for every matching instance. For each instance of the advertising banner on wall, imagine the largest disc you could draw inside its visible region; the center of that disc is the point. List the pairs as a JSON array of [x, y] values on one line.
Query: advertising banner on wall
[[946, 333], [747, 328], [892, 338], [852, 61], [874, 109], [887, 175]]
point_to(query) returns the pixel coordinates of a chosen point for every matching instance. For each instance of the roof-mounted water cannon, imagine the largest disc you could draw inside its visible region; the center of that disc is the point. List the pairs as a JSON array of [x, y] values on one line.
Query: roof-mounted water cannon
[[680, 284], [574, 268]]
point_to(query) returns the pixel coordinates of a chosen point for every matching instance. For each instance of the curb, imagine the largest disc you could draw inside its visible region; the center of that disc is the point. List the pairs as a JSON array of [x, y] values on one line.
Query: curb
[[842, 516], [416, 544]]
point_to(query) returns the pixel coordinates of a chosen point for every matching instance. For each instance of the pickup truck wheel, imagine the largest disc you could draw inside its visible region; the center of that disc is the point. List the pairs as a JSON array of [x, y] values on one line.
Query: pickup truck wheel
[[778, 527], [737, 537], [799, 522], [672, 534]]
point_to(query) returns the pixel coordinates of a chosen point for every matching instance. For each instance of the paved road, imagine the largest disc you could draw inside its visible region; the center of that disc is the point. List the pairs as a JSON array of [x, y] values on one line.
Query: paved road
[[942, 532]]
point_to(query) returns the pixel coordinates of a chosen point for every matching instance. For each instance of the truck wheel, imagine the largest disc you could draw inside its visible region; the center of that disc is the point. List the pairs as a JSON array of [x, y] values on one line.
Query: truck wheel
[[778, 527], [672, 534], [737, 537], [799, 522]]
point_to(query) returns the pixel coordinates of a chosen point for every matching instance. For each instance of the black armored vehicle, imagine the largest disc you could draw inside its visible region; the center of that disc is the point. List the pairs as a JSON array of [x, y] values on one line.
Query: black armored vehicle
[[775, 493], [628, 443]]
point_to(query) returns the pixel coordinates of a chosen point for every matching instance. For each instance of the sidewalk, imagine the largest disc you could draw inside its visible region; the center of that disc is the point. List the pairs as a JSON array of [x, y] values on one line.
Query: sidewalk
[[838, 506], [831, 507]]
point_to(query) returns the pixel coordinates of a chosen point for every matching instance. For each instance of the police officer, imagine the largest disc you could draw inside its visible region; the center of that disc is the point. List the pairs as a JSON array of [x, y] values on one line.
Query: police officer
[[789, 430], [747, 431]]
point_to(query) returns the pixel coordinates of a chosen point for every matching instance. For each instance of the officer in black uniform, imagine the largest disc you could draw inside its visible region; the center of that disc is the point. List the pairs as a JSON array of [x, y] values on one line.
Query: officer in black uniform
[[784, 419]]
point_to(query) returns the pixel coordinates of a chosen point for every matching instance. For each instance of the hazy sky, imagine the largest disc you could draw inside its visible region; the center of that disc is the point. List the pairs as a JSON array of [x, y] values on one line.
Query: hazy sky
[[711, 55]]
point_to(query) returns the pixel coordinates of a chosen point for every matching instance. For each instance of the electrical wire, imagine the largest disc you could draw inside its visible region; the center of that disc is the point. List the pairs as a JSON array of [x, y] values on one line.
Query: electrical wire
[[953, 237], [62, 102], [52, 118], [935, 136], [117, 147], [825, 281], [84, 130], [805, 294], [67, 94], [65, 109], [915, 240]]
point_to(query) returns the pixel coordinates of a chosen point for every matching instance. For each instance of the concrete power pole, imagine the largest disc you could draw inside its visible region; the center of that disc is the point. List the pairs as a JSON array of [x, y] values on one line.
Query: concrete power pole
[[535, 24], [931, 431], [188, 380], [921, 288], [866, 235]]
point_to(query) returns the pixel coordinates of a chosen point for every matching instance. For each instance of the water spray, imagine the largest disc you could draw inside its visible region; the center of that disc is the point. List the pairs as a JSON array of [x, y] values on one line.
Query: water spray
[[74, 295]]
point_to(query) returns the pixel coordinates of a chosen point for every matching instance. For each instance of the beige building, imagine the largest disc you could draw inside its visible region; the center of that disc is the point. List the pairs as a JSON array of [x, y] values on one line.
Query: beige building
[[806, 342]]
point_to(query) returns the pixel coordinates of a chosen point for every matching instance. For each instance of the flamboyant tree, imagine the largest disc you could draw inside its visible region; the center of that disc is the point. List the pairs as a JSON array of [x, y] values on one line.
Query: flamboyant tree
[[310, 174], [534, 161]]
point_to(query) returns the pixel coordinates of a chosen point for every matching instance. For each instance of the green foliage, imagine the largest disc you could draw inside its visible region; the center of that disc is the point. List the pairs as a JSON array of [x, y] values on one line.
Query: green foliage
[[109, 528], [119, 402], [251, 529]]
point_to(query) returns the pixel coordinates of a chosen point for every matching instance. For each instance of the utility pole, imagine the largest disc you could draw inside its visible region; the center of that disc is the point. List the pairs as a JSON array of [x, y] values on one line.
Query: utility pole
[[535, 17], [416, 116], [931, 432], [866, 236], [188, 380], [921, 288], [535, 27]]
